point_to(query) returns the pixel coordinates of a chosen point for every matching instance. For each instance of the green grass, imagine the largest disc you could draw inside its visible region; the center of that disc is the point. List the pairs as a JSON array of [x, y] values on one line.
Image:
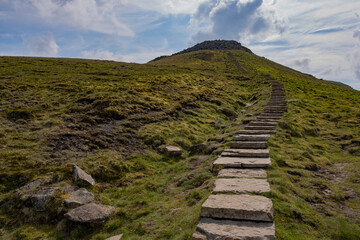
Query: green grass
[[113, 119]]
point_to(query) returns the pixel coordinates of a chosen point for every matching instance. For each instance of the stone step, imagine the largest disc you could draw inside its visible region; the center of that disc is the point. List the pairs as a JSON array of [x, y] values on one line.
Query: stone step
[[259, 127], [276, 117], [242, 173], [248, 144], [267, 120], [214, 229], [269, 123], [263, 137], [275, 108], [238, 207], [277, 103], [242, 162], [256, 132], [257, 153], [271, 114], [241, 186]]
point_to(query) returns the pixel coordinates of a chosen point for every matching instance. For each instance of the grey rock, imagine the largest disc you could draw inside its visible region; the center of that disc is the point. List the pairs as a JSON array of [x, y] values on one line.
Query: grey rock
[[30, 186], [249, 127], [242, 173], [213, 229], [42, 197], [260, 153], [81, 177], [243, 162], [173, 150], [78, 198], [241, 186], [248, 144], [256, 132], [90, 213], [238, 207], [269, 123], [255, 138], [117, 237]]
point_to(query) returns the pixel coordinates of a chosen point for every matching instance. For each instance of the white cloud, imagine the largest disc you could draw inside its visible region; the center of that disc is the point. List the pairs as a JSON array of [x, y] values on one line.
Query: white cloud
[[242, 20], [42, 45], [141, 56], [322, 31], [102, 55], [168, 6], [88, 15]]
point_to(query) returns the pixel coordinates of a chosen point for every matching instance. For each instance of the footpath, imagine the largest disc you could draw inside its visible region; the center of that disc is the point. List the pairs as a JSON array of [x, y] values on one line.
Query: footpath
[[235, 210]]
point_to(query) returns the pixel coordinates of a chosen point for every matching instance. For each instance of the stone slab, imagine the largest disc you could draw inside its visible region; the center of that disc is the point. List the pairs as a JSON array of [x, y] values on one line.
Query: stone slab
[[238, 207], [242, 173], [248, 144], [259, 127], [213, 229], [90, 213], [246, 152], [239, 162], [78, 198], [269, 117], [271, 114], [263, 137], [256, 132], [269, 123], [241, 186]]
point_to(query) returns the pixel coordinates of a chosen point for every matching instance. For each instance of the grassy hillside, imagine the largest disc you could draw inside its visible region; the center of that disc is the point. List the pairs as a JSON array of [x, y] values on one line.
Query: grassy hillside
[[113, 120]]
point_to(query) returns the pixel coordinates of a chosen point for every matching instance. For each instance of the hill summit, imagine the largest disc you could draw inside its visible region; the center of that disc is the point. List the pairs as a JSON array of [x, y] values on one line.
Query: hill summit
[[211, 45], [216, 45]]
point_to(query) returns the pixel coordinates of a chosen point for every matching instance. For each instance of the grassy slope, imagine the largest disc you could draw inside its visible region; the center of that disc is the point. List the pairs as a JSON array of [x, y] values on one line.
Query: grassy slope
[[111, 119], [316, 172], [177, 100]]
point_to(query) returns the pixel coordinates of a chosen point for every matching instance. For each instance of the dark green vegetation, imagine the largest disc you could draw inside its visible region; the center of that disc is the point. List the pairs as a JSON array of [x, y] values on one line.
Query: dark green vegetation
[[112, 119]]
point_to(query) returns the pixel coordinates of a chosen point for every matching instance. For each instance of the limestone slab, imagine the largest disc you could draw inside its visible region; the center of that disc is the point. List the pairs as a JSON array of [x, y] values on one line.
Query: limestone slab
[[263, 137], [269, 117], [259, 128], [249, 144], [238, 162], [246, 152], [241, 186], [90, 213], [239, 207], [78, 198], [213, 229], [81, 177], [242, 173], [268, 123]]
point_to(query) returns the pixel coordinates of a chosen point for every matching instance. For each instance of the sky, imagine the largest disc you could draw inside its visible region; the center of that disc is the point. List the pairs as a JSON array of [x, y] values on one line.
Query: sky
[[320, 37]]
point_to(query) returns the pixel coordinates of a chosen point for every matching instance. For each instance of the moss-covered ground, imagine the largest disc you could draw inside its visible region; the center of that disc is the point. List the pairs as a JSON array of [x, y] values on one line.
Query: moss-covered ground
[[113, 119]]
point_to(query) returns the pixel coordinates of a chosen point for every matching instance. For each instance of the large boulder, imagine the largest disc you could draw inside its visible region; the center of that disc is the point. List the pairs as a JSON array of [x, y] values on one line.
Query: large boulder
[[173, 151], [117, 237], [90, 213], [30, 186], [42, 197], [78, 198], [81, 177]]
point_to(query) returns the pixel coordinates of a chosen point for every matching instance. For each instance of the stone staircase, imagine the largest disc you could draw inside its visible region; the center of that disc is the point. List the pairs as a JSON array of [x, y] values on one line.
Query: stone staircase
[[234, 211]]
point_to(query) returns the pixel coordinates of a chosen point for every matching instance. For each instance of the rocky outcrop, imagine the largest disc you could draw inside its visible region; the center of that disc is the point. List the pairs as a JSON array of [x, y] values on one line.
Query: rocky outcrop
[[42, 197], [78, 198], [81, 177], [90, 213], [173, 151]]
